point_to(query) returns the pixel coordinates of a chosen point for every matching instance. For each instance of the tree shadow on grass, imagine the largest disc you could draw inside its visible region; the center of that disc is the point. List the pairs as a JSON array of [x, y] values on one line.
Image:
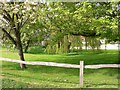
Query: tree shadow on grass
[[113, 72]]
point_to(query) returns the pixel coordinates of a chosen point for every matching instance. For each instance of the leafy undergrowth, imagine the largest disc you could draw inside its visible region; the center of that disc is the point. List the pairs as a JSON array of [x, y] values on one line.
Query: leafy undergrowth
[[54, 77]]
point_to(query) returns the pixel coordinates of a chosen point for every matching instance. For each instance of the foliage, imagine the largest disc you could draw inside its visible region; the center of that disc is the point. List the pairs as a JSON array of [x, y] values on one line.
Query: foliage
[[13, 16], [93, 20]]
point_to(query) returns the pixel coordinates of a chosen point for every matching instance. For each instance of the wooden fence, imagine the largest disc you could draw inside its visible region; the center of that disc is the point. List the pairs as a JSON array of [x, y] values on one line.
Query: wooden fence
[[81, 66]]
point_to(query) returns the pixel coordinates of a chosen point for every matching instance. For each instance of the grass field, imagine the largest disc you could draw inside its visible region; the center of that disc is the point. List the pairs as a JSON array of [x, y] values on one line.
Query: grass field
[[53, 77]]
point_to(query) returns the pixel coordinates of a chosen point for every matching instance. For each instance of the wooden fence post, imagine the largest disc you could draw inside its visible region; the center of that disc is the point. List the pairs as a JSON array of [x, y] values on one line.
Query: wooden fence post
[[81, 73]]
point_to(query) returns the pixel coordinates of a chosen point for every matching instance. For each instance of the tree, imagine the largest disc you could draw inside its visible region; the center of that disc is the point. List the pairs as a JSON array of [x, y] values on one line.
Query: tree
[[92, 20], [13, 16]]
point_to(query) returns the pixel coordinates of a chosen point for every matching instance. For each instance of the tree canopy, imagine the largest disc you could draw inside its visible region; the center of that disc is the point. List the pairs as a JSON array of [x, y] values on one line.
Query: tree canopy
[[59, 23]]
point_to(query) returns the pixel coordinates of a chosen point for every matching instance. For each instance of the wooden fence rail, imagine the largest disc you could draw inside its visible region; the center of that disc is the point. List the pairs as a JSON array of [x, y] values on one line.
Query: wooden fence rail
[[62, 64], [42, 63], [81, 66]]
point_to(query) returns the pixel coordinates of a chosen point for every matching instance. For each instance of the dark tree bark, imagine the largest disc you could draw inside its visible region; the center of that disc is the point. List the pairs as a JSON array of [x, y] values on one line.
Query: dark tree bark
[[20, 52], [58, 44], [9, 36], [69, 44], [20, 49]]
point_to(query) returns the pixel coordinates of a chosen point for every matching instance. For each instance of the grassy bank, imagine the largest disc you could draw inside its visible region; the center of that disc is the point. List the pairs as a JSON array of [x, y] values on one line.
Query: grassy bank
[[43, 76]]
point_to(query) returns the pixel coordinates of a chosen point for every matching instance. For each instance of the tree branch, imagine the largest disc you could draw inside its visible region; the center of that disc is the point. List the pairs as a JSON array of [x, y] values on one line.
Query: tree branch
[[22, 24], [18, 23], [9, 36], [85, 34], [6, 18], [8, 15]]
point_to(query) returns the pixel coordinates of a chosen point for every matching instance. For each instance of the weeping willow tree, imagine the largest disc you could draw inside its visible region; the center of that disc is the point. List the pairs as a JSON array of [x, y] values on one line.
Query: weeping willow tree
[[61, 45], [94, 43], [76, 43]]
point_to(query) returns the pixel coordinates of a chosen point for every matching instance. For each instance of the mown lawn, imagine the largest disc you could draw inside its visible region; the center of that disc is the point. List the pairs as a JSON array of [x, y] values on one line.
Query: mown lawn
[[53, 77]]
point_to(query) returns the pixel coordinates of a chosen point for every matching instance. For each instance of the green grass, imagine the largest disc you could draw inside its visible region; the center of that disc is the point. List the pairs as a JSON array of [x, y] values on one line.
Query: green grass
[[54, 77], [36, 49]]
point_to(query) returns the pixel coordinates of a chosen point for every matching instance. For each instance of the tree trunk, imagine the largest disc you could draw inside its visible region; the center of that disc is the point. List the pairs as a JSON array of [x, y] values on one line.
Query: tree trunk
[[20, 52], [69, 44], [105, 45], [20, 49], [59, 44], [26, 48], [86, 44], [66, 44]]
